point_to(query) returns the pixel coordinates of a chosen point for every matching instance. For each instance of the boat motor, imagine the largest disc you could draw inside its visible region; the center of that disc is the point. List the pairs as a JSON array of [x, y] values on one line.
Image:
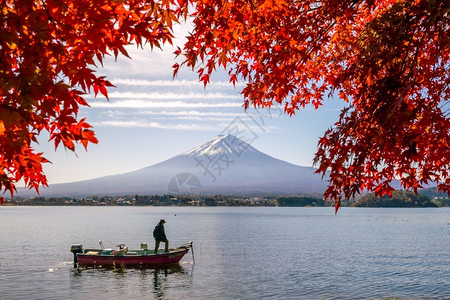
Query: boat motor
[[75, 249]]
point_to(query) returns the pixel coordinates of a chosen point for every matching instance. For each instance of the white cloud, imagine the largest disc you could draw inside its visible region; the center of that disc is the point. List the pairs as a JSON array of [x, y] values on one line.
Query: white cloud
[[176, 95], [179, 83], [146, 124], [188, 113], [159, 104], [181, 126]]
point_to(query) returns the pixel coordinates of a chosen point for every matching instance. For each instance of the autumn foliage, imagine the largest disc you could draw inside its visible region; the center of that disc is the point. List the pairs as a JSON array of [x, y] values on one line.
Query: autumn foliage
[[49, 50], [388, 59]]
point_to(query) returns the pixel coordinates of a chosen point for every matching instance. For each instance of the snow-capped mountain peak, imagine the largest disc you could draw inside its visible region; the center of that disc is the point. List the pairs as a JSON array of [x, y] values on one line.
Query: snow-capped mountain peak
[[221, 144]]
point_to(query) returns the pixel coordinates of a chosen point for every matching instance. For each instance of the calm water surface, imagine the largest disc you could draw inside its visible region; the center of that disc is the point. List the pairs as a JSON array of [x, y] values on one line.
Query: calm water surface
[[240, 253]]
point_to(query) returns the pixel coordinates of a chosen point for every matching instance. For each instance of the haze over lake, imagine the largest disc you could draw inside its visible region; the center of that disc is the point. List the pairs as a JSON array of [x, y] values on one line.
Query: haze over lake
[[240, 253]]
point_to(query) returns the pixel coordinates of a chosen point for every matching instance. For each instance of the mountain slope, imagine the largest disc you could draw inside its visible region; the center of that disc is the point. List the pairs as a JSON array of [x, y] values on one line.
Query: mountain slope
[[224, 164]]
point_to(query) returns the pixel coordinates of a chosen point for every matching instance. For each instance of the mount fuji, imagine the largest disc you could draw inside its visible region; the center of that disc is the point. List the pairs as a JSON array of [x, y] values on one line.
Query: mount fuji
[[223, 165]]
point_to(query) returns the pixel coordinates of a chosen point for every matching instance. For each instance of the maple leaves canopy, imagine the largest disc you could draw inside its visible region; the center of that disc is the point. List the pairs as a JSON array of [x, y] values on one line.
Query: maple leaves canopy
[[388, 59], [48, 51]]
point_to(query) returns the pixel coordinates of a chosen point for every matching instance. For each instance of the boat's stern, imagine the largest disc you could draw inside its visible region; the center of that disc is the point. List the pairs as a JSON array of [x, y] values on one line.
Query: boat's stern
[[75, 249]]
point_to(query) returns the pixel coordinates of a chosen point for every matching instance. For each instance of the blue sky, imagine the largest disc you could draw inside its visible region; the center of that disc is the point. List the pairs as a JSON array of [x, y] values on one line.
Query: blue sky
[[151, 117]]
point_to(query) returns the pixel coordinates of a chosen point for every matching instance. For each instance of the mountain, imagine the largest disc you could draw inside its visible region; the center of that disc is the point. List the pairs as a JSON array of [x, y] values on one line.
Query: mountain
[[223, 165]]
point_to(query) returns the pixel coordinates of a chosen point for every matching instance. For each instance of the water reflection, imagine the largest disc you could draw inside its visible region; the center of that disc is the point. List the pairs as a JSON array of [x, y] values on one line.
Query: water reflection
[[161, 281], [160, 278]]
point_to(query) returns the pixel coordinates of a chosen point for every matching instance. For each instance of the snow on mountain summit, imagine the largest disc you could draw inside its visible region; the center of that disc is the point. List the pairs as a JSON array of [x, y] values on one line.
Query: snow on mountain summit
[[221, 144]]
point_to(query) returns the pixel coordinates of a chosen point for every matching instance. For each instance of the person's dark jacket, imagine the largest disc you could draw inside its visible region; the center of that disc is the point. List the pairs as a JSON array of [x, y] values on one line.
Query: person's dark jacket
[[159, 234]]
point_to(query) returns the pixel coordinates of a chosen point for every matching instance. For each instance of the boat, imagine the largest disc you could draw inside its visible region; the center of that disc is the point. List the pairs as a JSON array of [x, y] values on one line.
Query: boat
[[123, 257]]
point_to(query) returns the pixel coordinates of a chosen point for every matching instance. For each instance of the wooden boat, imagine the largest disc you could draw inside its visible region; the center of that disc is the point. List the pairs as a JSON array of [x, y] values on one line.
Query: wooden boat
[[122, 257]]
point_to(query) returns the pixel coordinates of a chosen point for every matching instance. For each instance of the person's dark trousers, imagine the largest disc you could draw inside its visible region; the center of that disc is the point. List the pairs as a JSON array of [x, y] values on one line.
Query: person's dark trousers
[[166, 248]]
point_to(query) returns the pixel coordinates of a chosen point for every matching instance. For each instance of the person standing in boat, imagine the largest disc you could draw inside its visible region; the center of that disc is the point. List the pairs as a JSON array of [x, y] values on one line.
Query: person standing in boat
[[160, 236]]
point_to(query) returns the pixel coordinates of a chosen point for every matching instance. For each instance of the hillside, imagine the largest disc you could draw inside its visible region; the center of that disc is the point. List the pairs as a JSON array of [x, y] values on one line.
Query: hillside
[[398, 199]]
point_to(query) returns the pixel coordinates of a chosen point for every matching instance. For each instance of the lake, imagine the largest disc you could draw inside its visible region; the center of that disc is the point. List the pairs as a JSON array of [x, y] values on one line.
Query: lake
[[239, 252]]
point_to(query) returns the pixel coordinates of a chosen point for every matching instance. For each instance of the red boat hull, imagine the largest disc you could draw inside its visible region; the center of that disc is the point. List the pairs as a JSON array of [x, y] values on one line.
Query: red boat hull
[[85, 260]]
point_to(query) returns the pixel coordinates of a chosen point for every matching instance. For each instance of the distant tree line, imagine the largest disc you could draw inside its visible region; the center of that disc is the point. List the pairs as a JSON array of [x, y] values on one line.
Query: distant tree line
[[300, 201], [161, 200], [169, 200], [398, 199]]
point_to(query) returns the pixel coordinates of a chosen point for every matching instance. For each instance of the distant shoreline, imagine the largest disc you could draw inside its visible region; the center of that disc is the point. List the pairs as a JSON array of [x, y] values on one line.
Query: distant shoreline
[[400, 199]]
